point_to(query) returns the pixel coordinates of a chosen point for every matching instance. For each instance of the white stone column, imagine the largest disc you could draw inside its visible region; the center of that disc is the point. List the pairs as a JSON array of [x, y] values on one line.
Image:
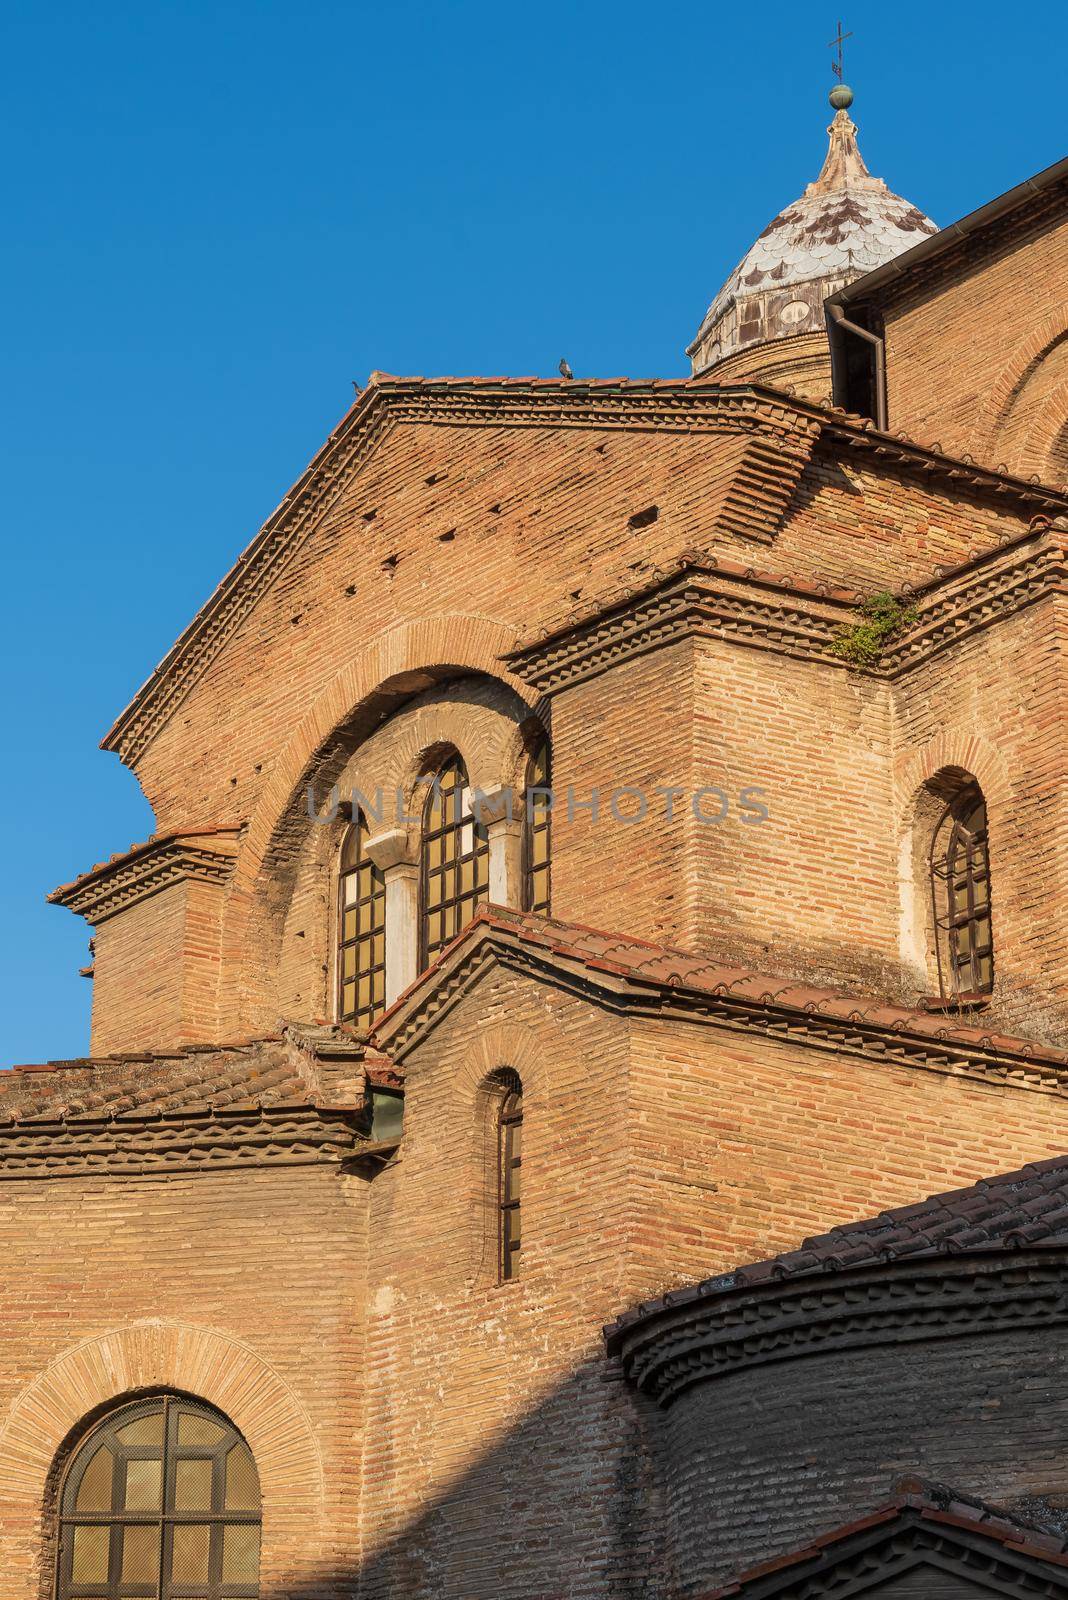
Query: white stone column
[[504, 835], [390, 853]]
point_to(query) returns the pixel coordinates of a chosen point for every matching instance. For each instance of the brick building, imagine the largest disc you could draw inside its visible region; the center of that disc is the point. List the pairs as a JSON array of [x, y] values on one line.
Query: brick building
[[611, 836]]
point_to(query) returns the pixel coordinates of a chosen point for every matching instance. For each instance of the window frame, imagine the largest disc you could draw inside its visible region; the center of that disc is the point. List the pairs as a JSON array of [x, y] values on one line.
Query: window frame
[[509, 1209], [374, 905], [450, 906], [540, 757], [963, 938], [166, 1517]]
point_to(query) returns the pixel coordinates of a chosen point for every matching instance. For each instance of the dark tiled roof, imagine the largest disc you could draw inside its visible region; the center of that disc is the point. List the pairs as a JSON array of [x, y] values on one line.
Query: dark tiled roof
[[921, 1500], [1015, 1209]]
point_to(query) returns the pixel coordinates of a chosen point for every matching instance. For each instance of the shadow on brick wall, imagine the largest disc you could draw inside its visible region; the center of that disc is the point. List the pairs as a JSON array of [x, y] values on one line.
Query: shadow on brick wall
[[565, 1504]]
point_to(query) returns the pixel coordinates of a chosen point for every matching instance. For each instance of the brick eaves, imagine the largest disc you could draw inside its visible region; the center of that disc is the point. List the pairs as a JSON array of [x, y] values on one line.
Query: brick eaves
[[918, 1501], [496, 401], [638, 973]]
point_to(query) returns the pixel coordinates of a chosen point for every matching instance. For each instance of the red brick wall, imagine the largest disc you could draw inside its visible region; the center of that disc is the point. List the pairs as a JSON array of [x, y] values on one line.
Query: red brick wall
[[252, 1285], [967, 339]]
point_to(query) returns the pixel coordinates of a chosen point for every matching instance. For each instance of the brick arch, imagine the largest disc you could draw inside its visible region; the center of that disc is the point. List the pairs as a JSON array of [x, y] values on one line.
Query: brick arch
[[1047, 432], [953, 747], [504, 1044], [1017, 369], [455, 641], [955, 750], [163, 1354], [489, 730]]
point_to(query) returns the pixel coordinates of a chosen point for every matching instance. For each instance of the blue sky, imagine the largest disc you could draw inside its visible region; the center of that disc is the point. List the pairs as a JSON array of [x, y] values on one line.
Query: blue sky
[[217, 215]]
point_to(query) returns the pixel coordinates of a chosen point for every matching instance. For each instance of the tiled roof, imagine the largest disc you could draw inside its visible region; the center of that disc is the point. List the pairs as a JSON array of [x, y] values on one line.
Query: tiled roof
[[662, 967], [916, 1500], [1027, 1207], [313, 1067], [121, 857], [846, 223]]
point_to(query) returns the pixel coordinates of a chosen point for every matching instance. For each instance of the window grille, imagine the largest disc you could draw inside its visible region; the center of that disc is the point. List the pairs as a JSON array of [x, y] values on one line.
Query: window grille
[[454, 860], [361, 956], [960, 894], [161, 1500]]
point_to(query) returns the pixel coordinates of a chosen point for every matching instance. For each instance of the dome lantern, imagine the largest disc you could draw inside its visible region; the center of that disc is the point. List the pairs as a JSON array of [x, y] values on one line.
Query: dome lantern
[[845, 224]]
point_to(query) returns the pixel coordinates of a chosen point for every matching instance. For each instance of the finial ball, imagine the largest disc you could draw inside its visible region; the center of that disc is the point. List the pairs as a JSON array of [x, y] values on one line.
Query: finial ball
[[841, 97]]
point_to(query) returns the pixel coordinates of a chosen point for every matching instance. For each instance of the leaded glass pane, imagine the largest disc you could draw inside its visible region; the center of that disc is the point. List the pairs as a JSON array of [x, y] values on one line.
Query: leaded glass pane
[[89, 1563], [242, 1480], [189, 1557], [169, 1462], [94, 1491], [361, 944], [192, 1484], [144, 1485], [140, 1554]]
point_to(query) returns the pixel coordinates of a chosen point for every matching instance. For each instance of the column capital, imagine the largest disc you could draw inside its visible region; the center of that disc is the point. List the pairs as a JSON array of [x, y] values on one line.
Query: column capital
[[391, 849]]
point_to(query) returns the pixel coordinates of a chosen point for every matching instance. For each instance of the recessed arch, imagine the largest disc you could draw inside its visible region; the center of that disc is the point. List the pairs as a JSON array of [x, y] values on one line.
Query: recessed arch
[[403, 661], [142, 1358]]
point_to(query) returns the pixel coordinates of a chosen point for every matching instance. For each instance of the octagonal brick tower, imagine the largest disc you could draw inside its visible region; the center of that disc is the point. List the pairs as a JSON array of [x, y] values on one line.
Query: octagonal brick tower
[[767, 322]]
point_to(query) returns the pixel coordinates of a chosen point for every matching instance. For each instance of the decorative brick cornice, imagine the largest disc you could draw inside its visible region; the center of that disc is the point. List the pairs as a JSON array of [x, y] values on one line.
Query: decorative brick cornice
[[965, 1544], [648, 980], [780, 427], [190, 1141], [705, 597], [692, 1337], [112, 886]]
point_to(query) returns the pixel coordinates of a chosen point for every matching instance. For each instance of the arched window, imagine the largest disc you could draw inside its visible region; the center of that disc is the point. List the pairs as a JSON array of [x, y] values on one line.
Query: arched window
[[960, 897], [361, 956], [162, 1498], [509, 1175], [454, 860], [537, 831]]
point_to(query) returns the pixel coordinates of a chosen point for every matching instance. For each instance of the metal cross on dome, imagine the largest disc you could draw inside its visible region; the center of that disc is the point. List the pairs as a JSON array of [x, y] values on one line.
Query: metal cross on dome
[[837, 42]]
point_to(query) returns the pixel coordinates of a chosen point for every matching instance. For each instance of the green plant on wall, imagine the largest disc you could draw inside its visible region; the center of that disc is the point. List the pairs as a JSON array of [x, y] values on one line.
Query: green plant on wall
[[881, 617]]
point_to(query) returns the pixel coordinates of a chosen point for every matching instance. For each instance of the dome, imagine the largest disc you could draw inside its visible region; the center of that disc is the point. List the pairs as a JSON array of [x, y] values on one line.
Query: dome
[[845, 224]]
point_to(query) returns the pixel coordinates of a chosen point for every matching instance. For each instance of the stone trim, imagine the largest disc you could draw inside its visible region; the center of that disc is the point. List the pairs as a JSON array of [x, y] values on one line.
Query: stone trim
[[682, 405], [124, 880], [186, 1141], [695, 1336]]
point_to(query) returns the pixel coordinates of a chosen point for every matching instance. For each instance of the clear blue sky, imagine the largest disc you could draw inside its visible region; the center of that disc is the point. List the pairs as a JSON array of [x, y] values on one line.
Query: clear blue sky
[[218, 214]]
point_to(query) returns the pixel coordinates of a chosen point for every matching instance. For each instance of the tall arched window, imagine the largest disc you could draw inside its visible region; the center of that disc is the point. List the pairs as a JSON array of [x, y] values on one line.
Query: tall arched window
[[361, 956], [537, 832], [509, 1175], [161, 1499], [960, 896], [454, 860]]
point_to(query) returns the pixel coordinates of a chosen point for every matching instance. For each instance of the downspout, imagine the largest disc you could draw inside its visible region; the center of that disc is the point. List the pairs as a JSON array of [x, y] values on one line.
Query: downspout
[[840, 319]]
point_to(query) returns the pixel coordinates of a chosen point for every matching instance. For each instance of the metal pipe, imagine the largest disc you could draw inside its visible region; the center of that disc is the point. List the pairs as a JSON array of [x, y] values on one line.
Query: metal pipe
[[839, 317]]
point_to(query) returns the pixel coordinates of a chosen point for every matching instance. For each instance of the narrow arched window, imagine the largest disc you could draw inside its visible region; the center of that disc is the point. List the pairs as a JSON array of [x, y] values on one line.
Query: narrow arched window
[[161, 1498], [361, 956], [537, 832], [509, 1176], [454, 860], [960, 895]]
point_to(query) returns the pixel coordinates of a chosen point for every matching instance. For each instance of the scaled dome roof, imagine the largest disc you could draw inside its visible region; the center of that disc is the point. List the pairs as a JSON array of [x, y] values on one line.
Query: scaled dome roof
[[845, 224]]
